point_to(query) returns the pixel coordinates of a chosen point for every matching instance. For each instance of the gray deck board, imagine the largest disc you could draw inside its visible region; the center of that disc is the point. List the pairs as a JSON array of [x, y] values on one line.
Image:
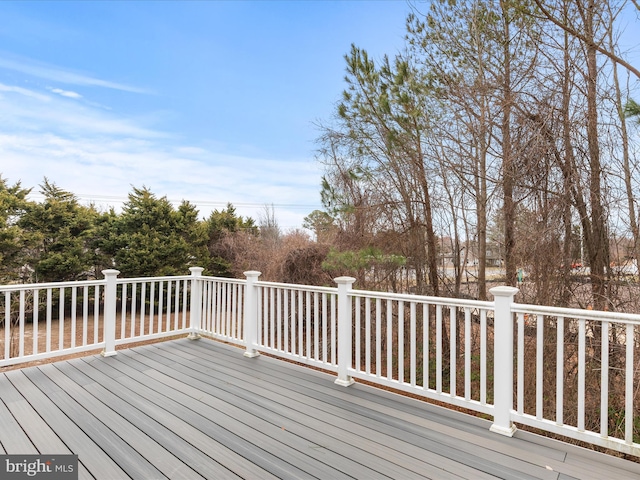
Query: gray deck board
[[199, 409], [40, 434], [157, 393], [352, 440], [476, 456], [96, 461], [191, 452], [277, 441], [307, 413], [12, 436], [209, 453], [365, 458], [546, 457], [131, 461], [147, 447]]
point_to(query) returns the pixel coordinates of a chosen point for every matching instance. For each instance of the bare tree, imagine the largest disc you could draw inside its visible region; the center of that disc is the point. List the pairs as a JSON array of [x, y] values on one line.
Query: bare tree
[[378, 141], [268, 224], [553, 12]]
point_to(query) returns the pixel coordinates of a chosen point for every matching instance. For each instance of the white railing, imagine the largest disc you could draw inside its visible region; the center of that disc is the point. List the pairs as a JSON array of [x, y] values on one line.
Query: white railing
[[223, 309], [582, 367], [587, 371], [150, 308], [47, 320], [297, 322], [42, 320], [434, 347]]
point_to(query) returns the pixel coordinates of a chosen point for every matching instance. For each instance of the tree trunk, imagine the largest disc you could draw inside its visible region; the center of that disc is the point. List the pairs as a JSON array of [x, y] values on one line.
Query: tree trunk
[[432, 250], [597, 248], [507, 156]]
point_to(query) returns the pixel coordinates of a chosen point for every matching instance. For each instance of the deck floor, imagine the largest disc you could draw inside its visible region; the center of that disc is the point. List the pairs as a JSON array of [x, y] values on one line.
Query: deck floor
[[199, 409]]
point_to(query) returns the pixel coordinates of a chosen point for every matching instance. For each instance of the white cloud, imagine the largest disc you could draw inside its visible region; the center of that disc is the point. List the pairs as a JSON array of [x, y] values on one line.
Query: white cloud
[[24, 91], [96, 169], [56, 74], [65, 93], [23, 109], [99, 154]]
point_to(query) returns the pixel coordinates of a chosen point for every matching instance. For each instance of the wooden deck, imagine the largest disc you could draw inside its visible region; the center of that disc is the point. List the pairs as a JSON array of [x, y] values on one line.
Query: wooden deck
[[199, 409]]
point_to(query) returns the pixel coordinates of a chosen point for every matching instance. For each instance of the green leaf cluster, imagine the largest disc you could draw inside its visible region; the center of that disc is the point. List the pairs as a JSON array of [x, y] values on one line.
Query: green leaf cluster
[[57, 232], [632, 109], [152, 238], [354, 261], [13, 239]]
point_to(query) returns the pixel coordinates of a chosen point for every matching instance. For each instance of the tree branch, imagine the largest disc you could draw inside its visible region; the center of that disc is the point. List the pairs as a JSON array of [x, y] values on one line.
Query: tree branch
[[574, 33]]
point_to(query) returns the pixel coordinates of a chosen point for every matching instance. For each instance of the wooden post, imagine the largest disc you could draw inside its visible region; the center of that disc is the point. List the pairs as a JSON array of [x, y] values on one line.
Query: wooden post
[[251, 314], [503, 360], [195, 311], [110, 293], [345, 349]]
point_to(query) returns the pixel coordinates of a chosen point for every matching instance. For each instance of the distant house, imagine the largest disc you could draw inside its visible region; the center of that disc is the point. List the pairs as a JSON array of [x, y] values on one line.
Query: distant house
[[494, 256]]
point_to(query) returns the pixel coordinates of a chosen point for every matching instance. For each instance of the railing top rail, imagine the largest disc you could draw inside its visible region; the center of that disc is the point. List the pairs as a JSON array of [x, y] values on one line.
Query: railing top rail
[[294, 286], [408, 297], [43, 286], [222, 279], [598, 315], [153, 279], [458, 302]]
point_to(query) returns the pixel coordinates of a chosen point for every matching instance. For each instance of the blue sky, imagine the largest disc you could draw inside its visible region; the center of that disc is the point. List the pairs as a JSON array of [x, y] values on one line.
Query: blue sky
[[212, 102], [209, 101]]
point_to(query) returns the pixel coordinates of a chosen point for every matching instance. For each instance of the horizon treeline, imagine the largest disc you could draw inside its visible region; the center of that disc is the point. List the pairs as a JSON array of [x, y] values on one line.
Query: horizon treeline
[[59, 239]]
